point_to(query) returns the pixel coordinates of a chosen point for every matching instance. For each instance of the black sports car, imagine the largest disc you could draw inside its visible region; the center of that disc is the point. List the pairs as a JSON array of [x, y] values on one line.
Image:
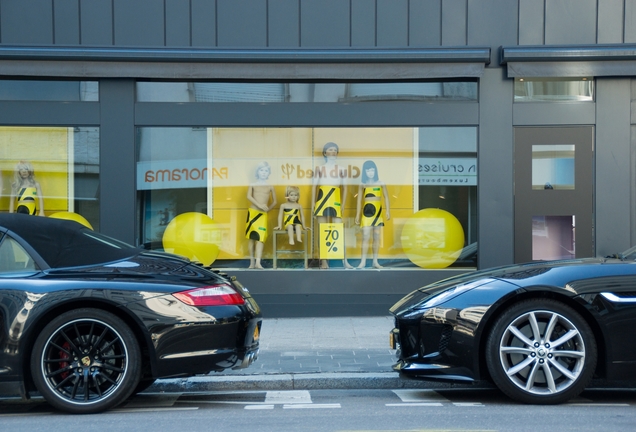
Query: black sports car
[[540, 331], [88, 321]]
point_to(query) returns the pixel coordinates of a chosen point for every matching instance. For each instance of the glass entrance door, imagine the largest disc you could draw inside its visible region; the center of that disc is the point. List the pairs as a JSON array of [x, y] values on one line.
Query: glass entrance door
[[553, 193]]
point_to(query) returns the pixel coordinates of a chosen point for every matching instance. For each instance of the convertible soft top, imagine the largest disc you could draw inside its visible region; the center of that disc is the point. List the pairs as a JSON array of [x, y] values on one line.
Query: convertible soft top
[[64, 243]]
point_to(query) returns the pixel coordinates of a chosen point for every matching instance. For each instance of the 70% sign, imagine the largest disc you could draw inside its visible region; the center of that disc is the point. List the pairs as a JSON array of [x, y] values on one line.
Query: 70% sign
[[332, 240]]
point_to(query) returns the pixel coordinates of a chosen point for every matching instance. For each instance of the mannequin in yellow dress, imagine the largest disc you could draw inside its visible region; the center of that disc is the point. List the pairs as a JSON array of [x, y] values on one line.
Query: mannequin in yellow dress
[[369, 212], [259, 195], [327, 201], [290, 215], [26, 194]]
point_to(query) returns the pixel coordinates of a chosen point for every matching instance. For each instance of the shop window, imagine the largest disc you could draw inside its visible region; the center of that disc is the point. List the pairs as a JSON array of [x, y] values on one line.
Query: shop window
[[389, 197], [51, 171], [554, 89], [63, 91], [305, 92]]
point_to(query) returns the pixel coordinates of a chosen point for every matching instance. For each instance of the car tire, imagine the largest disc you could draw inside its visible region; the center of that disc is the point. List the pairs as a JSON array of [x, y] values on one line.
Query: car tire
[[86, 361], [541, 351]]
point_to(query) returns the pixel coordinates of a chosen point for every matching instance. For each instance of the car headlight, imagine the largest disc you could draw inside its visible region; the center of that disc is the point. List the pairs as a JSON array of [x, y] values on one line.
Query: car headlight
[[450, 293]]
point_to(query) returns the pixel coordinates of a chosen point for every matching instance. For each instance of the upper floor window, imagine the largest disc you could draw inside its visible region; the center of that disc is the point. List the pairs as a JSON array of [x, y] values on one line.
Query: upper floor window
[[63, 91], [554, 89], [306, 92]]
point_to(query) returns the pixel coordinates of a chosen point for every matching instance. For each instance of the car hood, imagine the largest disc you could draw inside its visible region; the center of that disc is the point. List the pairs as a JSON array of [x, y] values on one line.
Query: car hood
[[546, 274]]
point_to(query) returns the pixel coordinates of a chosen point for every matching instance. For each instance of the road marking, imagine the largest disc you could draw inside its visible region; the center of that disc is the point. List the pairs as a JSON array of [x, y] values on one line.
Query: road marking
[[125, 410], [415, 404], [288, 397], [468, 404], [420, 396], [312, 405], [259, 407]]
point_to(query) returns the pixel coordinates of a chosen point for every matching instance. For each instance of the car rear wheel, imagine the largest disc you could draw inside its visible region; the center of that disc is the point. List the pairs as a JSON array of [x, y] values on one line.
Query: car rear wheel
[[86, 361], [541, 351]]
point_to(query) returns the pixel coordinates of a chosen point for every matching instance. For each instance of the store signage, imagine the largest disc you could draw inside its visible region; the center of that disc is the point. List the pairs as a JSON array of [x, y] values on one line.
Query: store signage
[[447, 171], [192, 173]]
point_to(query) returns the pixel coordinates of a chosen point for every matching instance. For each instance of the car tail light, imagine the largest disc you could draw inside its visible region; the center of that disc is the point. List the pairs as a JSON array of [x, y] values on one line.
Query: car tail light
[[215, 295]]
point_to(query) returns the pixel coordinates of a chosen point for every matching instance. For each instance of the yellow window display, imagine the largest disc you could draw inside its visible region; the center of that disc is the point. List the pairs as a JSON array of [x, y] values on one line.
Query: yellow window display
[[50, 170], [367, 182]]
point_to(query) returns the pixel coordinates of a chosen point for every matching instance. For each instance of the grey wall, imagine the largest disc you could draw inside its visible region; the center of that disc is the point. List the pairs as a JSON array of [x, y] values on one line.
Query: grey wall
[[316, 23]]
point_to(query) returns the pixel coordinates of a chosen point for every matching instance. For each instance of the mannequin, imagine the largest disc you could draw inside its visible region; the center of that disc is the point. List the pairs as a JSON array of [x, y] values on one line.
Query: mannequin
[[290, 215], [259, 194], [328, 200], [369, 212], [26, 191]]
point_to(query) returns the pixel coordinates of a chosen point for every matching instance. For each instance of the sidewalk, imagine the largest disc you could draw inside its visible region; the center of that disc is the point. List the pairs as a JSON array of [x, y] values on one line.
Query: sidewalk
[[312, 353]]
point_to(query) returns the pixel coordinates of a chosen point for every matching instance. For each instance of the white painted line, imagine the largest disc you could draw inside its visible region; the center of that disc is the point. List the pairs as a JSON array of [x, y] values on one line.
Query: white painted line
[[412, 395], [468, 404], [416, 404], [305, 406], [259, 407], [288, 397], [124, 410]]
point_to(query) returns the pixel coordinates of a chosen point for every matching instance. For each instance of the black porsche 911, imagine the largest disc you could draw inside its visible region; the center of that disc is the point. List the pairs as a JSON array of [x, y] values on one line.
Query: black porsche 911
[[540, 331], [88, 321]]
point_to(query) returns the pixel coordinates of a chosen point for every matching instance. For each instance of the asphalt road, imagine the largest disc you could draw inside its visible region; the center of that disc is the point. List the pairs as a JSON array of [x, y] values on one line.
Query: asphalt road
[[334, 410]]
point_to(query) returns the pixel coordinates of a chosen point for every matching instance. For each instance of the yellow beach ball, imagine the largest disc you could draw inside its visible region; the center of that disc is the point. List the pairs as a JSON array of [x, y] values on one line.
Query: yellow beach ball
[[193, 235], [432, 238]]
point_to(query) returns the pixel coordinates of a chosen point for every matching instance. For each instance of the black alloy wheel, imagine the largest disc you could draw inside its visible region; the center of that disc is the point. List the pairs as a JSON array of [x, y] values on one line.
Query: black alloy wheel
[[541, 351], [86, 361]]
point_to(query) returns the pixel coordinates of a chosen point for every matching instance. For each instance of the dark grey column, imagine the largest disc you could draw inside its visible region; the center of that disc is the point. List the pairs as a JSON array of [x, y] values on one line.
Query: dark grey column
[[495, 190], [117, 159], [613, 179]]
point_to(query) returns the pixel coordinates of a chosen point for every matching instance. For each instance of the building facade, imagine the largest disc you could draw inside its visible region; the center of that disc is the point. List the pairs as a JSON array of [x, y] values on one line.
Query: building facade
[[419, 139]]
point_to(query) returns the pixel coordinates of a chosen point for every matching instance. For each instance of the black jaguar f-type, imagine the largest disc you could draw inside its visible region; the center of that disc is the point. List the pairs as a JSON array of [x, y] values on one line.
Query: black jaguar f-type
[[88, 321], [540, 331]]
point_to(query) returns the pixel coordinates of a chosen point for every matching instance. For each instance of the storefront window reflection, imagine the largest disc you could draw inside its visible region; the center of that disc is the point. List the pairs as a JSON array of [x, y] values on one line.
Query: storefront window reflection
[[356, 195], [305, 92], [51, 172], [554, 89], [64, 91]]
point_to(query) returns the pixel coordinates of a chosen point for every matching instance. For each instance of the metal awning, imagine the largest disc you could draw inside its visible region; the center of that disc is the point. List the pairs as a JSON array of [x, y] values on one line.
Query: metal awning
[[193, 63], [569, 60]]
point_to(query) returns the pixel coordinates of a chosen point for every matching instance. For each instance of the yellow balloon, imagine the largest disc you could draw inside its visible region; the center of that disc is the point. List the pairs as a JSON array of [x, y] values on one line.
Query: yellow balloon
[[72, 216], [432, 238], [193, 235]]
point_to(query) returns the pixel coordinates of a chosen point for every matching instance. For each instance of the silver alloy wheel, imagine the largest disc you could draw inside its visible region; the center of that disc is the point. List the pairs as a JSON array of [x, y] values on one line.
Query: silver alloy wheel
[[542, 352]]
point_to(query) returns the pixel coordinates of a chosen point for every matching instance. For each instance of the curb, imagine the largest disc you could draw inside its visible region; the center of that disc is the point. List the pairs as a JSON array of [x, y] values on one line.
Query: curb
[[299, 381]]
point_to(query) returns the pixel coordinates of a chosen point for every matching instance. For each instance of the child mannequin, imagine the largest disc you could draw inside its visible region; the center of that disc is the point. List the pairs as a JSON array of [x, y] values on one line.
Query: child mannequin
[[369, 214], [26, 191], [290, 215], [259, 194]]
